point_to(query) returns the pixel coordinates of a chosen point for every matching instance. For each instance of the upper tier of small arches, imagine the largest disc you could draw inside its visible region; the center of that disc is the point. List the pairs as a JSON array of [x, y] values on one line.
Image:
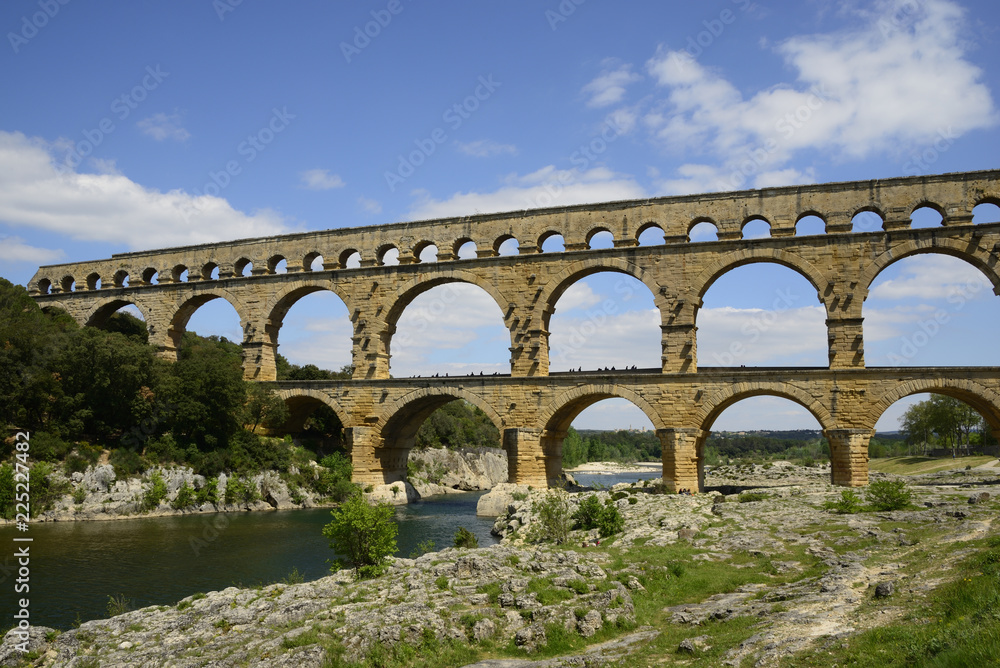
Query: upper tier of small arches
[[446, 241]]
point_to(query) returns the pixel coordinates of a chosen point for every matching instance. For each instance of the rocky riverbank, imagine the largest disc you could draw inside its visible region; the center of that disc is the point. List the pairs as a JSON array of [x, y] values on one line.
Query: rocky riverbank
[[752, 573], [98, 493]]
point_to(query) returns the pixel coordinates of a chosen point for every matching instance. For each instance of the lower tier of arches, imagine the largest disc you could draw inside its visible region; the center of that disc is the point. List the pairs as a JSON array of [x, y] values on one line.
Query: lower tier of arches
[[532, 414]]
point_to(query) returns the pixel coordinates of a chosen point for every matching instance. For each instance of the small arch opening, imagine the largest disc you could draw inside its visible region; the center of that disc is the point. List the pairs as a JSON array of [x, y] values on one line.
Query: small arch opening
[[427, 253], [985, 213], [210, 272], [388, 256], [350, 259], [507, 246], [756, 228], [703, 231], [94, 281], [68, 284], [810, 225], [313, 262], [277, 264], [44, 286], [243, 267], [925, 216], [466, 249], [121, 279], [651, 235], [600, 239], [551, 242], [151, 276], [866, 221], [179, 274]]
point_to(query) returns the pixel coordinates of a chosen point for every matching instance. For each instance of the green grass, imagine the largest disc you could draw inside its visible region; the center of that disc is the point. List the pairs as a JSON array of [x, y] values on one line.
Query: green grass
[[918, 465], [957, 625]]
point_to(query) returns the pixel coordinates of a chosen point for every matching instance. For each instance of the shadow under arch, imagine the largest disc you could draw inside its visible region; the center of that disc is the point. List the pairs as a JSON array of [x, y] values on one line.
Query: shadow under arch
[[555, 419], [951, 247], [302, 402], [398, 424], [981, 398], [99, 315]]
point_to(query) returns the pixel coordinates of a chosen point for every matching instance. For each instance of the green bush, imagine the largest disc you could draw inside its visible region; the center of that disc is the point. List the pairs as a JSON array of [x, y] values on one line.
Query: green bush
[[239, 490], [334, 479], [587, 513], [363, 535], [748, 497], [848, 503], [44, 492], [554, 522], [209, 493], [423, 547], [48, 447], [156, 493], [185, 497], [79, 495], [465, 538], [75, 464], [126, 462], [888, 495], [610, 522]]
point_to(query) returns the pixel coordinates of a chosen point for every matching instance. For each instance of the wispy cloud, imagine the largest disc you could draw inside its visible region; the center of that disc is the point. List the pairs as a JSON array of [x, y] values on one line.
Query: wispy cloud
[[609, 86], [320, 179], [14, 249], [486, 148], [369, 205], [162, 127]]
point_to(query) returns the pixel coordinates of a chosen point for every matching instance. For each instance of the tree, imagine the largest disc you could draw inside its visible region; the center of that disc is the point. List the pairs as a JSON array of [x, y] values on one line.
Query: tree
[[364, 534], [952, 421], [263, 408]]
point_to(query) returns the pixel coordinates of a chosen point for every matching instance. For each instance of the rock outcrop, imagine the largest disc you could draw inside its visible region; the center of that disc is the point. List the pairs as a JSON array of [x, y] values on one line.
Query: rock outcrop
[[442, 470]]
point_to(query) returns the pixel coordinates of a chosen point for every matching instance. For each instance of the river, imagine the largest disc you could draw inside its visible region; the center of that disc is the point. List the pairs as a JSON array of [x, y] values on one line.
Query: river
[[76, 566]]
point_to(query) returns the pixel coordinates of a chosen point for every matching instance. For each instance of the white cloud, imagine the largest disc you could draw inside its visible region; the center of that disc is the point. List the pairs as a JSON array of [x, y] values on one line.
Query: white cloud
[[543, 188], [371, 206], [486, 148], [35, 194], [320, 179], [932, 277], [729, 336], [577, 296], [609, 87], [603, 339], [858, 92], [14, 249], [164, 126]]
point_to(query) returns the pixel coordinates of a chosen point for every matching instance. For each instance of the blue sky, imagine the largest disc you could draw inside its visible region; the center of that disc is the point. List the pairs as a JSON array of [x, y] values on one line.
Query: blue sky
[[135, 125]]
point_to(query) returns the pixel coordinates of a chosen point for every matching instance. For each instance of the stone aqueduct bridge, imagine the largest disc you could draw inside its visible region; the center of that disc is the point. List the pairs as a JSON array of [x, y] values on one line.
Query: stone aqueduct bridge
[[531, 408]]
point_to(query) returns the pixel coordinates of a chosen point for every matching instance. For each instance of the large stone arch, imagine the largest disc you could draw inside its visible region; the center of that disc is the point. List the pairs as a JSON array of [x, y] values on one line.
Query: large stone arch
[[395, 430], [105, 308], [713, 406], [415, 287], [979, 258], [580, 269], [179, 316], [982, 398], [285, 298], [726, 263], [301, 403], [560, 412]]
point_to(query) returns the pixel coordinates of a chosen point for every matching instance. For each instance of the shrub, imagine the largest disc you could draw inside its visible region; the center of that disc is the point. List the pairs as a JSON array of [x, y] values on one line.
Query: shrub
[[748, 497], [209, 493], [75, 464], [334, 480], [848, 504], [587, 513], [239, 490], [185, 497], [553, 523], [79, 495], [156, 493], [465, 538], [44, 492], [610, 522], [888, 495], [118, 605], [364, 534], [126, 462], [423, 547]]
